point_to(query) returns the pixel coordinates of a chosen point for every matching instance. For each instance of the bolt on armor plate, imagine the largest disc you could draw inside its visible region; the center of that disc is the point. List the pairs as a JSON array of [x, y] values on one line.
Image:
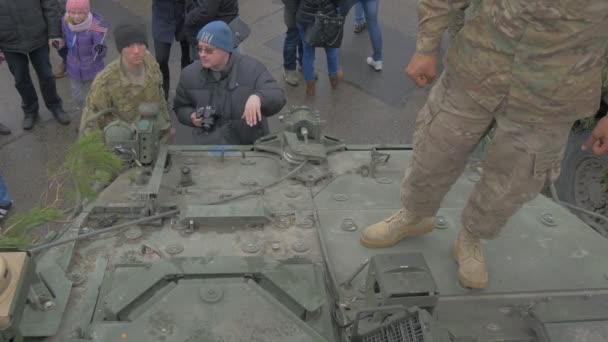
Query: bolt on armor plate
[[282, 221], [441, 222], [349, 225], [341, 197], [174, 248], [548, 220], [249, 182], [474, 177], [300, 246], [250, 247], [247, 162], [211, 294], [133, 233], [384, 180], [292, 194], [77, 278]]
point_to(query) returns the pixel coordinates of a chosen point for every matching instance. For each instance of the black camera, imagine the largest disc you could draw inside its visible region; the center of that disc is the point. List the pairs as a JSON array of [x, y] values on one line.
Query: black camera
[[209, 116]]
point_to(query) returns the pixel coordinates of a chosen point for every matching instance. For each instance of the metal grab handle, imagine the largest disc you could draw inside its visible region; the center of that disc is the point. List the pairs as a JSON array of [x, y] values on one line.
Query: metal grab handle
[[223, 151]]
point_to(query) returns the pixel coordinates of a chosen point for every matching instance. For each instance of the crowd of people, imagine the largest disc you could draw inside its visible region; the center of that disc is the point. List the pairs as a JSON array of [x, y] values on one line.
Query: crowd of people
[[79, 35], [527, 68]]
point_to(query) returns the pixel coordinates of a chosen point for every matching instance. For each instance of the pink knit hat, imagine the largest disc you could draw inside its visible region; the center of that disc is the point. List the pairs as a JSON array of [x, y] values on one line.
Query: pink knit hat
[[78, 5]]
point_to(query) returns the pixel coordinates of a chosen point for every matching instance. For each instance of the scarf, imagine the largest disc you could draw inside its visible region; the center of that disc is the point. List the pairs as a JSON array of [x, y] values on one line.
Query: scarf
[[83, 26]]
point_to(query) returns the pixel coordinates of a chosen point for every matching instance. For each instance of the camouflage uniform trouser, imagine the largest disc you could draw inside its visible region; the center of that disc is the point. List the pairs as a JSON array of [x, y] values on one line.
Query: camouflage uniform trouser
[[523, 153]]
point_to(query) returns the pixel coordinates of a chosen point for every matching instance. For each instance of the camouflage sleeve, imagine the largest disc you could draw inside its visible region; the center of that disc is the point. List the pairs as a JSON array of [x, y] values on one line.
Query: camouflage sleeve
[[98, 99], [433, 20]]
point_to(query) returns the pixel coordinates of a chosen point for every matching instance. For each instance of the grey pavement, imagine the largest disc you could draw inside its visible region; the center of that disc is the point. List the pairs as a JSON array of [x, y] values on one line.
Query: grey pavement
[[368, 108]]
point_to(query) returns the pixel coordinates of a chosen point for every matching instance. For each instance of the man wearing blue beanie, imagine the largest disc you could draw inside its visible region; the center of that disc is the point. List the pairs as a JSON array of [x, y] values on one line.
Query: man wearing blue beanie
[[227, 96]]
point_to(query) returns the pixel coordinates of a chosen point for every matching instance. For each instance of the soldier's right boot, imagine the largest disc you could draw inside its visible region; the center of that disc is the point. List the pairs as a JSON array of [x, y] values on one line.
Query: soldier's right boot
[[399, 226]]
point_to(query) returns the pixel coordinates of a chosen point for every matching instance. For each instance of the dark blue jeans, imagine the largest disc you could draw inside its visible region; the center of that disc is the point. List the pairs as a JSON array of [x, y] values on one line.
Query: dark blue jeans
[[292, 47], [18, 64], [309, 57], [370, 9]]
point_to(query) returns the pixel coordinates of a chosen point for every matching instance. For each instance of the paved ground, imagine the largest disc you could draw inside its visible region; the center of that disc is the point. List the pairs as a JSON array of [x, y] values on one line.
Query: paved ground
[[369, 107]]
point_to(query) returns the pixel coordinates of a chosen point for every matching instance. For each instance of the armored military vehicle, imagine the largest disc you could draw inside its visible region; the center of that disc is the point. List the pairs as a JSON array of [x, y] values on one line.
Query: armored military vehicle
[[260, 243]]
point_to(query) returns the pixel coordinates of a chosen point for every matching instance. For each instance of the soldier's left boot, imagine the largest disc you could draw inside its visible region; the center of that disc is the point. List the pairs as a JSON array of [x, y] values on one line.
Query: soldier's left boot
[[472, 272]]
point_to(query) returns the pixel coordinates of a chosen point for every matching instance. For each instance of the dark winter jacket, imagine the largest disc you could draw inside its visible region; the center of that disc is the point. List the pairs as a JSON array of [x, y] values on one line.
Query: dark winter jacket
[[62, 4], [201, 12], [308, 9], [26, 25], [82, 62], [227, 92], [168, 20]]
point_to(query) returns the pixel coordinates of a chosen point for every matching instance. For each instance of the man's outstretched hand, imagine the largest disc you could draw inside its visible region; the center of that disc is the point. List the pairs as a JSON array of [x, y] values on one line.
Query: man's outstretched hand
[[598, 141], [253, 110], [422, 69]]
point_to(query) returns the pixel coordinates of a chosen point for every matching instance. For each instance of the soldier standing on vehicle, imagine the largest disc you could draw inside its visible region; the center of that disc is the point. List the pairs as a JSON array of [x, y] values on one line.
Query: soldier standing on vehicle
[[532, 66]]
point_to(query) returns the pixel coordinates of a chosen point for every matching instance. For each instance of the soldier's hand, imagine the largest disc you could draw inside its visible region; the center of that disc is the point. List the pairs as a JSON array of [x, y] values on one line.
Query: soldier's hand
[[2, 57], [422, 69], [196, 121], [253, 110], [598, 141]]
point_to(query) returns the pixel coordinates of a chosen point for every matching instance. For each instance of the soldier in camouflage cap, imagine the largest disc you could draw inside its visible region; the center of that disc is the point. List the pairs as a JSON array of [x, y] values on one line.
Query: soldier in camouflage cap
[[126, 83], [531, 66]]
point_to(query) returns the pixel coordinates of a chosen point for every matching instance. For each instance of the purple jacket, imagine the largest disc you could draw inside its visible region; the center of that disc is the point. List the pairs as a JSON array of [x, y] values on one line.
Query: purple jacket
[[82, 65]]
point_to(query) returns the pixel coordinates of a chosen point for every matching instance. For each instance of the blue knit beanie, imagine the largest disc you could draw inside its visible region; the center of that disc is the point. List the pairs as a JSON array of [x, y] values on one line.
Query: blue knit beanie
[[218, 34]]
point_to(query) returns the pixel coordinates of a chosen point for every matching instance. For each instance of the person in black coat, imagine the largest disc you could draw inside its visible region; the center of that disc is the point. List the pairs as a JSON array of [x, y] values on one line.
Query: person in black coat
[[168, 25], [201, 12], [226, 96], [27, 28]]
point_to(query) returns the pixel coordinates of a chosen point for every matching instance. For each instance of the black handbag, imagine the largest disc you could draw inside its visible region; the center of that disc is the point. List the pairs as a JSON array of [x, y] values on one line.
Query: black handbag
[[240, 30], [326, 31]]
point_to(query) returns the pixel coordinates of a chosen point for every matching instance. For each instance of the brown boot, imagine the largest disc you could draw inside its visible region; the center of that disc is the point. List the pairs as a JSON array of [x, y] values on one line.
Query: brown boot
[[472, 272], [335, 79], [399, 226], [310, 88]]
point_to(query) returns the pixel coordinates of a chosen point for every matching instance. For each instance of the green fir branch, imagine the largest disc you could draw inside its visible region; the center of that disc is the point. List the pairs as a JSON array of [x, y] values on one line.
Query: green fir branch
[[87, 163]]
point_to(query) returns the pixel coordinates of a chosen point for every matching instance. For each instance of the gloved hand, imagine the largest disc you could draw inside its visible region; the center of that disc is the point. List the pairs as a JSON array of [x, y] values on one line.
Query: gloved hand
[[99, 49], [2, 57], [57, 43]]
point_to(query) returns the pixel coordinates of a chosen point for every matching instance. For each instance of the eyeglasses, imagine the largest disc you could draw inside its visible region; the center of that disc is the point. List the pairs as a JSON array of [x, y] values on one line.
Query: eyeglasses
[[206, 50]]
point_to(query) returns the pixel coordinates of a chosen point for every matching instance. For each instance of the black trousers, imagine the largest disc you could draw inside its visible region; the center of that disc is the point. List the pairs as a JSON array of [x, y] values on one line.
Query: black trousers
[[18, 64], [162, 51]]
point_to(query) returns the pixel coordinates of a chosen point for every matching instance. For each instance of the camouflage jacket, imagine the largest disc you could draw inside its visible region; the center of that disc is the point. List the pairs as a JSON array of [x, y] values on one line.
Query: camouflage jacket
[[540, 59], [112, 89]]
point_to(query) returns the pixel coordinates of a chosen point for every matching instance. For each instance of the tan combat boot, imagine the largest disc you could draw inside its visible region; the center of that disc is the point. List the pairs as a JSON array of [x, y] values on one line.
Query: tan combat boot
[[472, 271], [399, 226]]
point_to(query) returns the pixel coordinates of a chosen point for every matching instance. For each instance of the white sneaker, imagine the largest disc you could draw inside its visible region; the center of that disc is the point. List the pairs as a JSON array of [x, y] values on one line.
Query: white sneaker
[[376, 65]]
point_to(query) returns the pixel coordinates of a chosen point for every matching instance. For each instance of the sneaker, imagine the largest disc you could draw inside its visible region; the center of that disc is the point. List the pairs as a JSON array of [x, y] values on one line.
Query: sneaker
[[376, 65], [291, 77], [360, 27]]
